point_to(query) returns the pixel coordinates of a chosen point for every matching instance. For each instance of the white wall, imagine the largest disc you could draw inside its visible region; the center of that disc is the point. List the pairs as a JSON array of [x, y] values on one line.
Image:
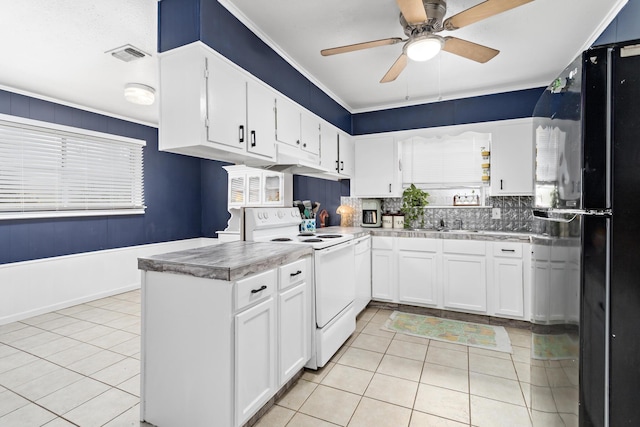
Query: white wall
[[30, 288]]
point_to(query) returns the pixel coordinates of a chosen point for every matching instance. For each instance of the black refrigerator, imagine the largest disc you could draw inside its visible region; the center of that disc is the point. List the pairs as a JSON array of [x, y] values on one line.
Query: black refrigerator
[[587, 130]]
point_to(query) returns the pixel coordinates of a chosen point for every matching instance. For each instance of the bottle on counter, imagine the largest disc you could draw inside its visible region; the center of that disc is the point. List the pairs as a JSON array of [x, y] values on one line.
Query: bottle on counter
[[398, 220], [387, 220]]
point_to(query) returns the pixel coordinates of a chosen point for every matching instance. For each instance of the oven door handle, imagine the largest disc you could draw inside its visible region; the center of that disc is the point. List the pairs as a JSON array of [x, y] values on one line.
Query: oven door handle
[[337, 247]]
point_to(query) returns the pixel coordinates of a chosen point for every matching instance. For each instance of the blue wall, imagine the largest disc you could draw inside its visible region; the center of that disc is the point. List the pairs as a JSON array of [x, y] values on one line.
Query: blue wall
[[625, 26], [327, 193], [219, 29], [501, 106], [172, 194]]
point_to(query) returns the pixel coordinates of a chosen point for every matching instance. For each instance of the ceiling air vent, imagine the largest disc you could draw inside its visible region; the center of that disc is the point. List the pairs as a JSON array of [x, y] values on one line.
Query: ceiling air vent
[[127, 53]]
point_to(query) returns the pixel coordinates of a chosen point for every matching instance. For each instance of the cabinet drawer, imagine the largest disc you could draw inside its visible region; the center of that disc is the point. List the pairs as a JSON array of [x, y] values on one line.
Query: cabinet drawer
[[507, 249], [418, 244], [467, 247], [294, 273], [254, 289], [380, 242]]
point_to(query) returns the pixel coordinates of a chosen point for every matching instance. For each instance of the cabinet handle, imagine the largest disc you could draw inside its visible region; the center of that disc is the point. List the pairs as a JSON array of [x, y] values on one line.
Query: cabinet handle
[[337, 168], [253, 138], [389, 188], [508, 250], [241, 133], [304, 145], [260, 289], [298, 142], [296, 273], [341, 165], [501, 184]]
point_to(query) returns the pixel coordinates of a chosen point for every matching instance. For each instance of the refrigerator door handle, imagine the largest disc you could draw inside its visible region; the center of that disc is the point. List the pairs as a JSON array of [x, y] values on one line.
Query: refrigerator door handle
[[553, 215]]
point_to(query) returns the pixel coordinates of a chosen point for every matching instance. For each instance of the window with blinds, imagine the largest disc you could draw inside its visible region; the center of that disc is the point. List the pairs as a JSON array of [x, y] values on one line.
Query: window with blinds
[[48, 170]]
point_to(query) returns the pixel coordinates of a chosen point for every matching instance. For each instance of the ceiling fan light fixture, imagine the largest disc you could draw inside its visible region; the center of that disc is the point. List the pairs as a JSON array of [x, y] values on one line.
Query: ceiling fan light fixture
[[140, 94], [423, 48]]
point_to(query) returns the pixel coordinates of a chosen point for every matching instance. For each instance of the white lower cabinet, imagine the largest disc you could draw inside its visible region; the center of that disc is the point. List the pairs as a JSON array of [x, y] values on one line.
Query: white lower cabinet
[[293, 319], [383, 266], [508, 279], [214, 352], [255, 358], [418, 271], [363, 273], [473, 276], [465, 275]]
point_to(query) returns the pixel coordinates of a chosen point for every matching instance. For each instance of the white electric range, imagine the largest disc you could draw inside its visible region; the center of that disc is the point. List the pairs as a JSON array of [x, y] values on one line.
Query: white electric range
[[333, 282]]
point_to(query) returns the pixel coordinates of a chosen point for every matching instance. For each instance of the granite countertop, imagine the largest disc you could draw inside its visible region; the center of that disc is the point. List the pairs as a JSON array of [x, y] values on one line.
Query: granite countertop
[[227, 261], [431, 234]]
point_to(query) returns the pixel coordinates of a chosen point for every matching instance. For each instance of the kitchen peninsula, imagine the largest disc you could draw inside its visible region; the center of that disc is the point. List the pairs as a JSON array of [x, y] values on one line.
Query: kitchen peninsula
[[224, 327]]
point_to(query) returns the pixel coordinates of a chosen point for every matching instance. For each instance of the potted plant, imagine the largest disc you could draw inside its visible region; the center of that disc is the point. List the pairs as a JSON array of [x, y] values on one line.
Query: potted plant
[[413, 202]]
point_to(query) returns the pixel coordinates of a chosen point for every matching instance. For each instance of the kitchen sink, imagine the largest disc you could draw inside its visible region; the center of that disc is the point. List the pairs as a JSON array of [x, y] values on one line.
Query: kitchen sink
[[459, 231]]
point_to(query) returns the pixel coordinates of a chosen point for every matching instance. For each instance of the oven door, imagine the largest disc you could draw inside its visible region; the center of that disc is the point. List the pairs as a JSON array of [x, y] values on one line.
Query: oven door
[[335, 280]]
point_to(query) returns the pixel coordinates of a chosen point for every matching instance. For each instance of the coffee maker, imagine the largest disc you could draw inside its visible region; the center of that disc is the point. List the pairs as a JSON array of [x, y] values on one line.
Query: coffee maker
[[371, 213]]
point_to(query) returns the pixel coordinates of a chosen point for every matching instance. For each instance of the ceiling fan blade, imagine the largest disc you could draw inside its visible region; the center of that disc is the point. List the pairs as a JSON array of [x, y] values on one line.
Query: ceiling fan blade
[[395, 69], [466, 49], [481, 11], [413, 11], [360, 46]]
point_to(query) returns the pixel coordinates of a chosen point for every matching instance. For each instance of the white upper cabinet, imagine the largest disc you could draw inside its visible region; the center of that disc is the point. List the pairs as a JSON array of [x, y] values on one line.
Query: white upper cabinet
[[329, 147], [287, 122], [336, 151], [210, 108], [226, 114], [260, 124], [309, 132], [255, 187], [377, 170], [297, 127], [512, 158]]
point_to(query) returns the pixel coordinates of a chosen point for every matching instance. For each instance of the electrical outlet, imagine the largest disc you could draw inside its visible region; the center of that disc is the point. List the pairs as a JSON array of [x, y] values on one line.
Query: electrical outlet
[[495, 213]]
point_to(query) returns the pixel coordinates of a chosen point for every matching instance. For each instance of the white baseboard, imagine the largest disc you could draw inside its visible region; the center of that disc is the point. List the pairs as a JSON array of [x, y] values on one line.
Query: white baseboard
[[30, 288]]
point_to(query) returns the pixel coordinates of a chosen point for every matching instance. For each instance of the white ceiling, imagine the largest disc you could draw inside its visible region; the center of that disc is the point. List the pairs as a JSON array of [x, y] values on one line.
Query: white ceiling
[[55, 49], [536, 42]]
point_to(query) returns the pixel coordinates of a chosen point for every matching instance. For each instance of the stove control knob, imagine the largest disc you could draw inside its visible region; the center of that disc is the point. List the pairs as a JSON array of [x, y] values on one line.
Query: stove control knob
[[259, 215], [280, 214], [266, 215]]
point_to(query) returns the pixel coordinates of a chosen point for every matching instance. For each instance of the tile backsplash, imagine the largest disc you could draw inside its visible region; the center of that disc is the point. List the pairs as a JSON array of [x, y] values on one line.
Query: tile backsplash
[[515, 214]]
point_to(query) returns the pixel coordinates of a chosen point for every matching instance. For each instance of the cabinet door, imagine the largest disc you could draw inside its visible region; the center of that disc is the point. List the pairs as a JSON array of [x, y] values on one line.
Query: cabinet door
[[272, 188], [384, 284], [346, 154], [293, 331], [309, 133], [376, 168], [329, 147], [508, 287], [417, 277], [287, 122], [226, 105], [363, 274], [255, 358], [254, 185], [237, 191], [512, 160], [465, 283], [261, 120]]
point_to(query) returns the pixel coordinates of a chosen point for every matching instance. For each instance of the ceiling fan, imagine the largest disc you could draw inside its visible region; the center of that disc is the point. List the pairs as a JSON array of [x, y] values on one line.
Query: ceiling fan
[[421, 20]]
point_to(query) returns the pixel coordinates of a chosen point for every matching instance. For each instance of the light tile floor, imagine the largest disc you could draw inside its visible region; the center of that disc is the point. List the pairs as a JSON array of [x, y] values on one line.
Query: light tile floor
[[81, 366], [381, 379]]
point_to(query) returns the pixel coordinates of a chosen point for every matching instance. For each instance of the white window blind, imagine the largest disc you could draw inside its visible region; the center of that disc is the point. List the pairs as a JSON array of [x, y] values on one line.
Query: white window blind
[[48, 170]]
